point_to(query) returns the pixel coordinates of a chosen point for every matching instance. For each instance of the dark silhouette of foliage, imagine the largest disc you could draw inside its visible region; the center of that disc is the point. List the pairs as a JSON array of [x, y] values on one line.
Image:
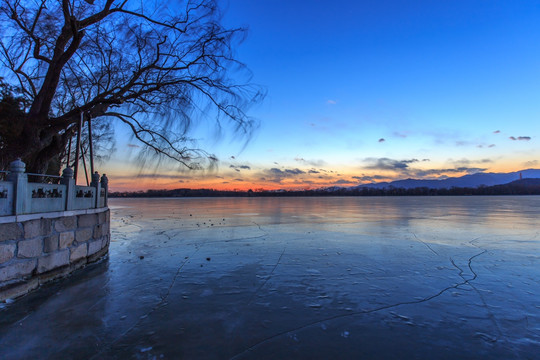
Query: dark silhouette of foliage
[[12, 116], [154, 66], [518, 187]]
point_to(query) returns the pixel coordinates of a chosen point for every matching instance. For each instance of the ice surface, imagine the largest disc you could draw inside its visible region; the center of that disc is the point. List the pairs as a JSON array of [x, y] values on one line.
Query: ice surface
[[268, 278]]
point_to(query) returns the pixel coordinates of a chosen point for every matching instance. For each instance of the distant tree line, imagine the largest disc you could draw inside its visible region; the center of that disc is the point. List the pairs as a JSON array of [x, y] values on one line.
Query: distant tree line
[[519, 187]]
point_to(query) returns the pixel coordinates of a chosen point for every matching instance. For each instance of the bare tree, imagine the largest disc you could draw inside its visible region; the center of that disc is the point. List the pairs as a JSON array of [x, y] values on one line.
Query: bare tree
[[154, 66]]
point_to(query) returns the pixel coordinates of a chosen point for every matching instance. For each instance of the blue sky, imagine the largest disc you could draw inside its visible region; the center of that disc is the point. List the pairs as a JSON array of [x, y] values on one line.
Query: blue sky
[[378, 90]]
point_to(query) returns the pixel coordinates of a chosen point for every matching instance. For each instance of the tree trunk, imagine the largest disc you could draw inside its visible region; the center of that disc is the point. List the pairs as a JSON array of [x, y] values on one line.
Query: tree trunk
[[35, 152]]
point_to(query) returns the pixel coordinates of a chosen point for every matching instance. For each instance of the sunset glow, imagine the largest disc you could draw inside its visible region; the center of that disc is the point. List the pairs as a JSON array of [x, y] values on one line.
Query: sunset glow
[[370, 91]]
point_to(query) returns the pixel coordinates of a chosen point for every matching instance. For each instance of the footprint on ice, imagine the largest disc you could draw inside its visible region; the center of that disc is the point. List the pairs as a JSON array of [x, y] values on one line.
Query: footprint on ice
[[345, 334], [294, 337], [485, 337]]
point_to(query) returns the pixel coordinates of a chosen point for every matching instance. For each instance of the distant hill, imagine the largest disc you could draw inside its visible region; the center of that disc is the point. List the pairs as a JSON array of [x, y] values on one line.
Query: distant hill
[[525, 182], [528, 186], [473, 180], [475, 184]]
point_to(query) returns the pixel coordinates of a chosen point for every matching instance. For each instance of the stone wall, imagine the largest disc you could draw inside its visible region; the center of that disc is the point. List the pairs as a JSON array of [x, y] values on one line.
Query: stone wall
[[41, 247]]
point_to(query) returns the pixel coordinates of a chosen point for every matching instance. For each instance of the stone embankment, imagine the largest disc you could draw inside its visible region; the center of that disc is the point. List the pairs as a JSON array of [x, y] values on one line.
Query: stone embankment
[[37, 248], [48, 230]]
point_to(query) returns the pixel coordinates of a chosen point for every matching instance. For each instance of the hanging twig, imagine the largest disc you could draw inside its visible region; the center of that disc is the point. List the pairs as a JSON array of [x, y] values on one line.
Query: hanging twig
[[77, 151], [69, 151], [84, 164], [90, 144]]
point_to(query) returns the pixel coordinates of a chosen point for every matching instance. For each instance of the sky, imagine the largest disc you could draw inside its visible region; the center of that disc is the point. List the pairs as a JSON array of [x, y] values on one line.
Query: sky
[[369, 91]]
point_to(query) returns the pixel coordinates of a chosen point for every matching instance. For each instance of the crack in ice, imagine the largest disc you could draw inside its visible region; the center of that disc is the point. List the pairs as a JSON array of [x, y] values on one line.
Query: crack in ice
[[427, 245], [268, 277], [155, 307], [350, 314]]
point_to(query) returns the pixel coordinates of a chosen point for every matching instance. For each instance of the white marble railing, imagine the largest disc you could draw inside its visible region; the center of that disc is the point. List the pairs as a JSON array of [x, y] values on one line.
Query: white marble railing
[[18, 196]]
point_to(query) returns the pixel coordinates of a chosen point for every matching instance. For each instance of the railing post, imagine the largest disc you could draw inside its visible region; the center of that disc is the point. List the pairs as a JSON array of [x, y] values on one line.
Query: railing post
[[96, 184], [67, 179], [105, 185], [19, 179]]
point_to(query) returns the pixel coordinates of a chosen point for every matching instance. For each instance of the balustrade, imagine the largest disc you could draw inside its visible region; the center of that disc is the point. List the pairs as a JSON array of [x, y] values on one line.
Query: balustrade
[[19, 196]]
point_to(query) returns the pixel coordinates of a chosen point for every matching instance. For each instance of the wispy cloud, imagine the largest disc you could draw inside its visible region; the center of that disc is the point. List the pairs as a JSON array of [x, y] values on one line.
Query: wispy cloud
[[294, 171], [240, 167], [382, 140], [153, 176], [520, 138], [317, 162], [497, 132], [481, 146], [369, 178], [331, 102], [343, 182], [466, 162], [402, 168], [441, 172], [398, 134], [278, 175], [388, 164]]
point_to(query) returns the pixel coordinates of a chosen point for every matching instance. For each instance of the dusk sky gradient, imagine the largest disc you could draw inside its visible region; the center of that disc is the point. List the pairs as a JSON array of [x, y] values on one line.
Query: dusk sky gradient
[[362, 91]]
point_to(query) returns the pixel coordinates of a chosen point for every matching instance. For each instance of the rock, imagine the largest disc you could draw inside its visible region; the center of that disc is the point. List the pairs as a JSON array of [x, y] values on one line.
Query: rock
[[7, 251], [30, 248]]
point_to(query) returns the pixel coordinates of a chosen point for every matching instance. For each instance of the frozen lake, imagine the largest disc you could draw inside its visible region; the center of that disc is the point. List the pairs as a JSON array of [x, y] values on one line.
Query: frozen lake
[[270, 278]]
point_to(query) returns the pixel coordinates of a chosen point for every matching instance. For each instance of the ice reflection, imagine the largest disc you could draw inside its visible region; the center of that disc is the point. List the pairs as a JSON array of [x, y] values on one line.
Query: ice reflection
[[299, 277]]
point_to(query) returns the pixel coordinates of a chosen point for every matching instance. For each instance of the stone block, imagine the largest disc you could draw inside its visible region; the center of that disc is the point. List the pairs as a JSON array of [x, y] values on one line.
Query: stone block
[[105, 241], [84, 234], [87, 220], [17, 270], [78, 252], [7, 252], [66, 239], [106, 228], [94, 246], [10, 231], [103, 217], [46, 227], [50, 243], [53, 260], [65, 223], [32, 228], [38, 227], [100, 230], [30, 248]]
